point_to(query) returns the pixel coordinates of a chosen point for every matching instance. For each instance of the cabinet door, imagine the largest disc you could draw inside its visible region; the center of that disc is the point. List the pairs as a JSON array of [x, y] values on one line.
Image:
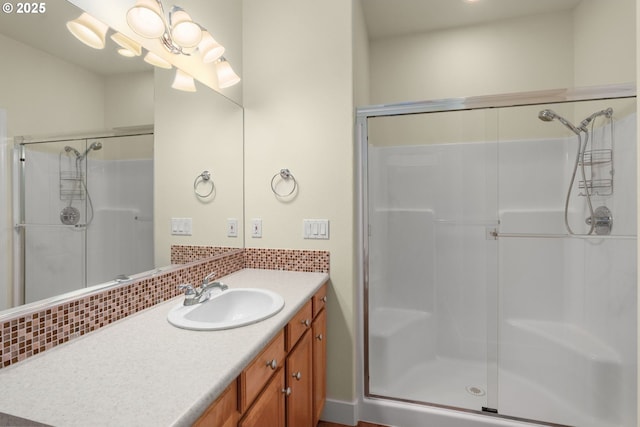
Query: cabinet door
[[223, 412], [268, 409], [299, 380], [319, 364]]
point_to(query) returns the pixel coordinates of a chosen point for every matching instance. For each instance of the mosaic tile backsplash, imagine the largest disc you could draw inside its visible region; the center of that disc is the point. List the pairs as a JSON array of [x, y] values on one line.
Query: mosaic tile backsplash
[[32, 333]]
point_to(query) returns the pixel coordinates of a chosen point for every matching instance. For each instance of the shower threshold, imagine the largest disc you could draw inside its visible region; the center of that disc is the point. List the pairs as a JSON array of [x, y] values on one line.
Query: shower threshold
[[462, 384]]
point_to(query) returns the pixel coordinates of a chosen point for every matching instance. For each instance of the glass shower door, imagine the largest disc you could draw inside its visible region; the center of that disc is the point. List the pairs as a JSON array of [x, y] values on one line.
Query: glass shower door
[[432, 267], [53, 204]]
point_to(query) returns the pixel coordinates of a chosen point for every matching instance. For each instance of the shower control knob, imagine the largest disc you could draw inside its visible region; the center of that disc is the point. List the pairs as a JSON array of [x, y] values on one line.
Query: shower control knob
[[602, 221]]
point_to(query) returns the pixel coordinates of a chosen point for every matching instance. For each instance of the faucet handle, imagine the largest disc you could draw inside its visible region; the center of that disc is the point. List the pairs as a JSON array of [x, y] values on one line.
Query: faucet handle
[[208, 277], [188, 287]]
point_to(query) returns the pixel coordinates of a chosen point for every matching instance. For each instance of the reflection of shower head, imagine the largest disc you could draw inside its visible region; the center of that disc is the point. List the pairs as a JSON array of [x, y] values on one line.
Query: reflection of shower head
[[550, 115], [94, 146], [71, 149]]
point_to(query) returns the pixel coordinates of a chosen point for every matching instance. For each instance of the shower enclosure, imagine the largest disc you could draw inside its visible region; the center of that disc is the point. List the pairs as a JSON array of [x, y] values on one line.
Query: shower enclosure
[[84, 213], [500, 256]]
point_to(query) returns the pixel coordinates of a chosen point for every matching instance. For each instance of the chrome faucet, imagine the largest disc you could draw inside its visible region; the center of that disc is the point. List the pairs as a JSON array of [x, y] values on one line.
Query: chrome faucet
[[199, 295]]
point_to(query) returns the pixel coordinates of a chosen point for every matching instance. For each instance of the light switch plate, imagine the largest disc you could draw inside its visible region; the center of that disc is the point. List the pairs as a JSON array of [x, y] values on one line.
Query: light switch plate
[[181, 226], [315, 229]]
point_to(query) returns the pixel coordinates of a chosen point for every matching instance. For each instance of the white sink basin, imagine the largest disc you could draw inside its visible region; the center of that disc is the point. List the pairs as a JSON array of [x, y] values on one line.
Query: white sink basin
[[228, 309]]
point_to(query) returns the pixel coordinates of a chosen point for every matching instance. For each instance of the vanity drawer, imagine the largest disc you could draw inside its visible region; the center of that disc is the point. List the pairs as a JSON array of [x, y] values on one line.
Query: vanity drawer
[[256, 375], [298, 325], [319, 300]]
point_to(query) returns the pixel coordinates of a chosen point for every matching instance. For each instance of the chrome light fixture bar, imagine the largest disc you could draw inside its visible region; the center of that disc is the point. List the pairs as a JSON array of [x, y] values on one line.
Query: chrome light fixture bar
[[179, 34]]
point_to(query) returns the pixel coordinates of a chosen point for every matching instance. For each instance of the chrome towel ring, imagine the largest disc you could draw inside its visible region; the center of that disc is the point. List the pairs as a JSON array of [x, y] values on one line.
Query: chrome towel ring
[[204, 177], [285, 175]]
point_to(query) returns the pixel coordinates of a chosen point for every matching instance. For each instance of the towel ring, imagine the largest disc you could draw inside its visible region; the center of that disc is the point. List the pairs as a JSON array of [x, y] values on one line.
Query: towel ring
[[203, 177], [284, 174]]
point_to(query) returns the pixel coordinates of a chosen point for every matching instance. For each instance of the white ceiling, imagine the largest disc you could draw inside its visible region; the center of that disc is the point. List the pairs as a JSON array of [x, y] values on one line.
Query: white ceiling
[[48, 32], [388, 18]]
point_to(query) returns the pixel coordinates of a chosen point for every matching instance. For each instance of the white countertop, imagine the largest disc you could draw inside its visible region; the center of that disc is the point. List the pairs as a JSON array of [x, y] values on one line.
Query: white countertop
[[143, 371]]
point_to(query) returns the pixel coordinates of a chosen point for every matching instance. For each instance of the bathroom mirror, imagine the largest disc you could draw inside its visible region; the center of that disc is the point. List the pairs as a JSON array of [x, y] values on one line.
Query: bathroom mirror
[[54, 85]]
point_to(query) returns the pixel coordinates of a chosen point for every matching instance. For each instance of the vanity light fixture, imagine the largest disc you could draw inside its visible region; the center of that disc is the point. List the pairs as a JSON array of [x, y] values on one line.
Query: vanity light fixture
[[210, 49], [180, 35], [226, 76], [157, 61], [146, 18], [183, 81], [88, 30], [128, 47]]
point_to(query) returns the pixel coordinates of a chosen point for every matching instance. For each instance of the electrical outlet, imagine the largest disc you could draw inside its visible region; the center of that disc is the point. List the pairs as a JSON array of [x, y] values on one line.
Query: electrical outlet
[[232, 227], [256, 228]]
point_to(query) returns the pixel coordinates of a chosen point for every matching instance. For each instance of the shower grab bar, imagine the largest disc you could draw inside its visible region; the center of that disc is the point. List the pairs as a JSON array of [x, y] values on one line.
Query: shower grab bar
[[480, 222], [556, 236], [25, 225]]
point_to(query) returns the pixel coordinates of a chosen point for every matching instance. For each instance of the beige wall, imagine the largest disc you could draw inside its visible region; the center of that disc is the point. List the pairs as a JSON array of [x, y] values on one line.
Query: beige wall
[[195, 132], [605, 52], [525, 54], [298, 98], [44, 95], [129, 100]]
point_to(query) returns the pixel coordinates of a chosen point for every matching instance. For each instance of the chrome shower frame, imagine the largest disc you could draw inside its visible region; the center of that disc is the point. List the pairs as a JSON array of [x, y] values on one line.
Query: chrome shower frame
[[370, 404]]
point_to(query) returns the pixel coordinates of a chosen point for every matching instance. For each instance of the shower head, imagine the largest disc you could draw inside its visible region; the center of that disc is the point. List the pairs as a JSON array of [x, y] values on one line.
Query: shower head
[[608, 113], [94, 146], [546, 115], [549, 115], [72, 150]]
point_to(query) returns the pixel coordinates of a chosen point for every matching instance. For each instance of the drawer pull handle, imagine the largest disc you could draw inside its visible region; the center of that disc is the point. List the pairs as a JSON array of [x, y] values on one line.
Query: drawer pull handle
[[273, 364], [306, 322], [324, 299], [319, 337], [287, 391], [297, 375]]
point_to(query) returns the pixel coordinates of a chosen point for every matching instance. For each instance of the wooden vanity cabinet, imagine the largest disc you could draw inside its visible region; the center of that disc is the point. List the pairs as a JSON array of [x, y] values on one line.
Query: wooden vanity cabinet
[[285, 385], [319, 333], [299, 379], [269, 408], [223, 412]]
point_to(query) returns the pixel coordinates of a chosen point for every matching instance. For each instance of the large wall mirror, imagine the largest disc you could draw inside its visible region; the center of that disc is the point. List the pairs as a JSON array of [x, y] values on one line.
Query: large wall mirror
[[104, 156]]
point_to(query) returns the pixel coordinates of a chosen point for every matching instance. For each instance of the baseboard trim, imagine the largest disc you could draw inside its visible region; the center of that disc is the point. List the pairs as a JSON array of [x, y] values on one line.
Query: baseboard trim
[[340, 411]]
